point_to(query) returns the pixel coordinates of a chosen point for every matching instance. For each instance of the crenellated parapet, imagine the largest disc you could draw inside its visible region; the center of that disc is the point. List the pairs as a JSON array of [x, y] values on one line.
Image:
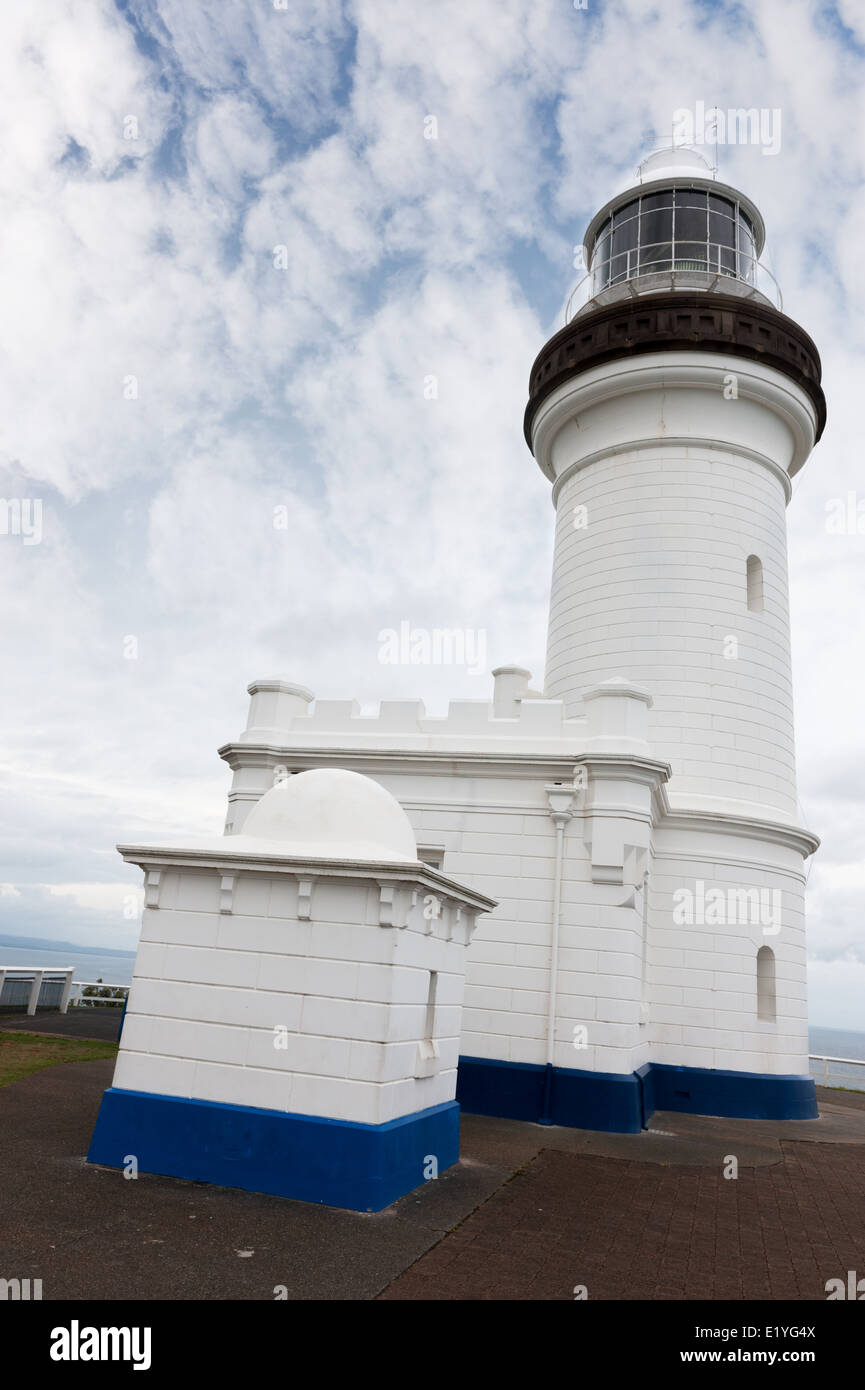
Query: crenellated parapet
[[284, 714]]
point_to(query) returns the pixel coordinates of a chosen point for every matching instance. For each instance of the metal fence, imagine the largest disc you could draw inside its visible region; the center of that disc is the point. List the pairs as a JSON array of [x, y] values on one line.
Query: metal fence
[[844, 1073], [24, 989], [87, 995]]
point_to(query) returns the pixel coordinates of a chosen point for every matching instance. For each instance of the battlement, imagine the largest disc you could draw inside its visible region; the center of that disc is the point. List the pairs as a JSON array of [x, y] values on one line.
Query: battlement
[[282, 714], [516, 720]]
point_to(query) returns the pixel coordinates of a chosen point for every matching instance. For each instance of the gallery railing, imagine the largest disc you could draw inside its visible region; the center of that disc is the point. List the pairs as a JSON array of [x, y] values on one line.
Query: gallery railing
[[692, 264]]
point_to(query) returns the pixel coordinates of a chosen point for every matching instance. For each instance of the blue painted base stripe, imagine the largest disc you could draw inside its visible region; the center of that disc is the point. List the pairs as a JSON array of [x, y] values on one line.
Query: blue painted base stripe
[[581, 1099], [623, 1103], [739, 1095], [334, 1162]]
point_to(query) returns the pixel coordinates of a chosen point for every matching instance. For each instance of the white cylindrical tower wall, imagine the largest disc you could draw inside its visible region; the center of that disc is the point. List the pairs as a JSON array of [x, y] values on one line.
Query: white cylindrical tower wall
[[656, 585], [664, 490], [704, 965]]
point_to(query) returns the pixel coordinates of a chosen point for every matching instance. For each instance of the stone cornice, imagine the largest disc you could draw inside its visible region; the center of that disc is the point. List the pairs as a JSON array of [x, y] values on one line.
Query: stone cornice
[[159, 857], [610, 384], [493, 764], [726, 823], [677, 321], [650, 772]]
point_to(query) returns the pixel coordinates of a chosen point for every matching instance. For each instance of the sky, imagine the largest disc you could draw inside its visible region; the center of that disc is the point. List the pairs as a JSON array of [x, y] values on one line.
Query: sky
[[273, 279]]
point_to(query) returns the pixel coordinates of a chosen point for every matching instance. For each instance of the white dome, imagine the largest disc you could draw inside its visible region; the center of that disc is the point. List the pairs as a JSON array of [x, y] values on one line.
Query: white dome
[[675, 161], [331, 813]]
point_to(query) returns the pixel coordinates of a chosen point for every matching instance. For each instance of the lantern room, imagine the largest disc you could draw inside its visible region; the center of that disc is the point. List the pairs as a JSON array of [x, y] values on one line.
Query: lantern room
[[677, 228]]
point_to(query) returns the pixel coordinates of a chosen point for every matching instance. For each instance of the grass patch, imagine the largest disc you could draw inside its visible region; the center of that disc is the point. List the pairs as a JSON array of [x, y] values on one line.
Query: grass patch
[[23, 1053]]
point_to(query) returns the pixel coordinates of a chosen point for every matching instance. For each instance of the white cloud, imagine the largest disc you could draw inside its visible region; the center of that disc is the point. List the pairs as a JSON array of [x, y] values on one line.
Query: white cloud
[[233, 145], [303, 387], [286, 57], [119, 898], [836, 989]]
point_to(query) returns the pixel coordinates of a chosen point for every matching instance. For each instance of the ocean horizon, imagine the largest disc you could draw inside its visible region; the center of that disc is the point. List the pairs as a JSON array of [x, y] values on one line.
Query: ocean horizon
[[90, 966], [836, 1042]]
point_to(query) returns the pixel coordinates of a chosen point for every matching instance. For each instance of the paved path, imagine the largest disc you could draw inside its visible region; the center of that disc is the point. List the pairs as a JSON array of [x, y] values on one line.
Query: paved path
[[100, 1024], [621, 1229], [528, 1213], [88, 1233], [587, 1217]]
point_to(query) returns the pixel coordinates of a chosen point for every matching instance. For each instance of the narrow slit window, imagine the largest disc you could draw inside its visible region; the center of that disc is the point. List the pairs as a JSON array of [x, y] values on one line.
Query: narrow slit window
[[766, 984], [427, 1049], [430, 1020], [754, 571]]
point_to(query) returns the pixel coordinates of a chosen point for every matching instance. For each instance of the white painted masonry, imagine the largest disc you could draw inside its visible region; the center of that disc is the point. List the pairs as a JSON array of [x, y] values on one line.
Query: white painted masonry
[[657, 568], [296, 975], [686, 994], [666, 724]]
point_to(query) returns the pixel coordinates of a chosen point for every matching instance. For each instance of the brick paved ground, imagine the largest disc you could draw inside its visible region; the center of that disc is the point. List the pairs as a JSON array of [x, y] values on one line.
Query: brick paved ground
[[89, 1234], [626, 1229], [527, 1213]]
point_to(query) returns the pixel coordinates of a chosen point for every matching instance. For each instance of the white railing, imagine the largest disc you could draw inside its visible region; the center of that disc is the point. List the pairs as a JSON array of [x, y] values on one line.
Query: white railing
[[680, 261], [830, 1075], [36, 977], [28, 985], [98, 995]]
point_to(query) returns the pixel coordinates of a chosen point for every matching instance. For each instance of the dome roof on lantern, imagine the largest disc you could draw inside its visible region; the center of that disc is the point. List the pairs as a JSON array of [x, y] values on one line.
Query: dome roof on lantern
[[331, 813], [673, 162]]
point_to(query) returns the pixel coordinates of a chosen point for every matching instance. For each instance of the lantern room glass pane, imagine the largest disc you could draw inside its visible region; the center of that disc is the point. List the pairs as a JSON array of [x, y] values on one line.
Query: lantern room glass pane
[[691, 255], [600, 265], [624, 242], [691, 198], [656, 232], [722, 235], [747, 250], [600, 260], [691, 229]]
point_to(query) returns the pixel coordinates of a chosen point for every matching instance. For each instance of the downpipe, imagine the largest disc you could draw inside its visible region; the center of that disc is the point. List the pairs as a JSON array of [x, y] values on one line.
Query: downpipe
[[561, 799]]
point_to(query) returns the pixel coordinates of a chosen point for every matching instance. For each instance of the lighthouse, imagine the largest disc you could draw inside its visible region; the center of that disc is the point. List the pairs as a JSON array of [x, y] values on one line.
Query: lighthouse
[[670, 415], [634, 820]]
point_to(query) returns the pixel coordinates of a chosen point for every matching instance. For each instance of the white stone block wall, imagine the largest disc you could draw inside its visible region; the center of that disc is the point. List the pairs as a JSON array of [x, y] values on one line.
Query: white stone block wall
[[213, 992], [511, 851], [509, 854], [655, 584], [642, 989], [599, 985], [703, 976]]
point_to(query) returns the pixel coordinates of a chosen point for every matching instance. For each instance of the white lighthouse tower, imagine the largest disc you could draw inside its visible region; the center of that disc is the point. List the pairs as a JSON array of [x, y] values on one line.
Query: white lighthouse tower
[[670, 415], [636, 822]]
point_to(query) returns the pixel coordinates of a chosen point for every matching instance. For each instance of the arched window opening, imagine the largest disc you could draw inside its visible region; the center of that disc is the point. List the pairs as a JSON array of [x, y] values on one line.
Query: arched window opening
[[754, 571], [766, 984]]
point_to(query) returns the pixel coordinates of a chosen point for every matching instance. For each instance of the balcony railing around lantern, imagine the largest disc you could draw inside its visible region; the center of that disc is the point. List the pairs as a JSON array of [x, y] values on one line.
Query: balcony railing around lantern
[[679, 263]]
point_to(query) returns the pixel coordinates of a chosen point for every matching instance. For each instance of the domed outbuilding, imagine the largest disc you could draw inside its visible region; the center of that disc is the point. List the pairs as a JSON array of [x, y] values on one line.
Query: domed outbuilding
[[294, 1018]]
